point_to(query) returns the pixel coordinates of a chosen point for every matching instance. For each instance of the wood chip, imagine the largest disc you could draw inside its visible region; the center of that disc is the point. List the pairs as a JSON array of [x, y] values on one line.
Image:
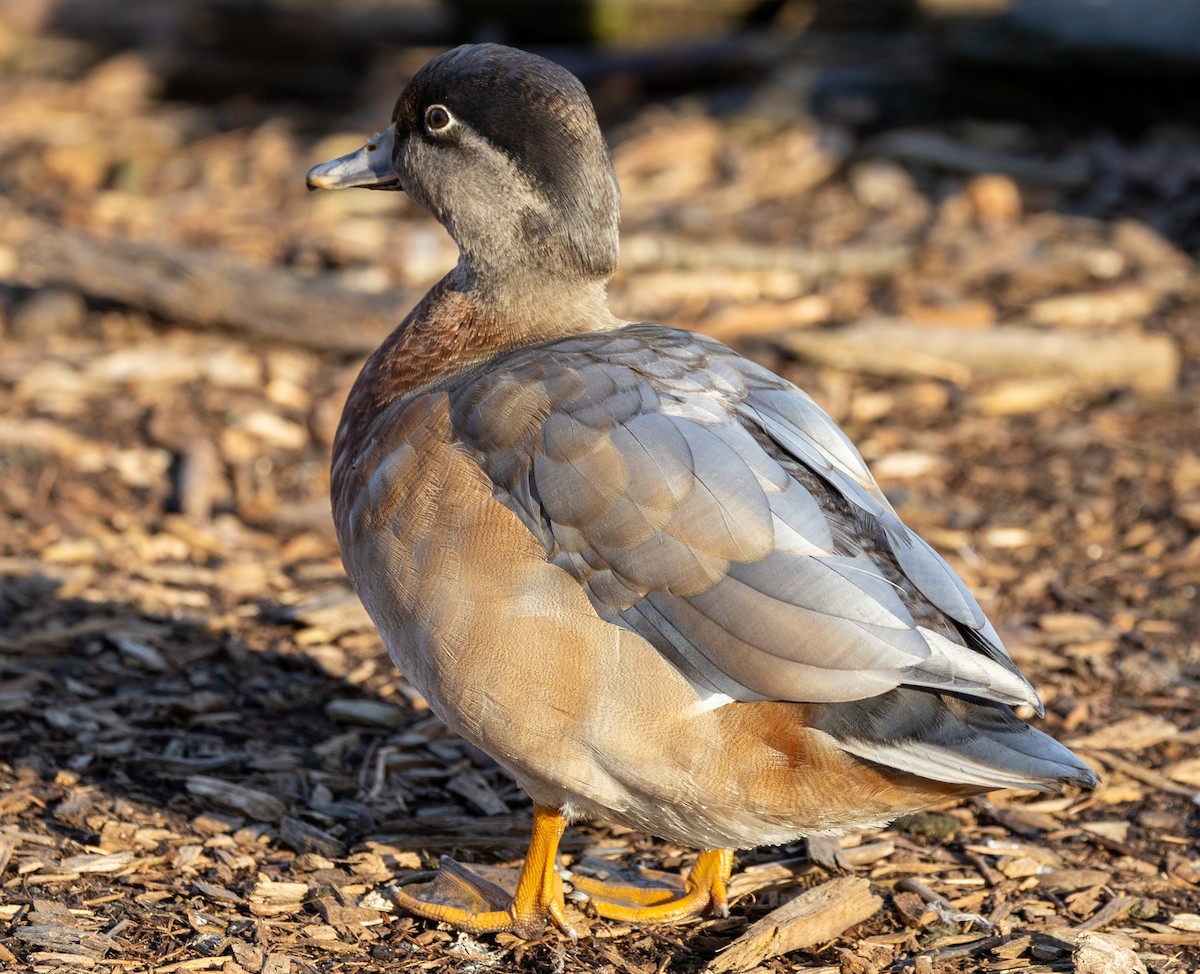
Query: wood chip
[[277, 964], [1116, 830], [1132, 734], [365, 713], [1113, 910], [1068, 880], [270, 891], [473, 786], [767, 875], [1186, 772], [813, 917], [336, 611], [1099, 953], [254, 804], [305, 837], [96, 863], [1119, 305]]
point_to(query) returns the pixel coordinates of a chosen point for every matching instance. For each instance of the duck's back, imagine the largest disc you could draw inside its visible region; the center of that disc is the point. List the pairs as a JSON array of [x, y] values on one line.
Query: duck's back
[[715, 508]]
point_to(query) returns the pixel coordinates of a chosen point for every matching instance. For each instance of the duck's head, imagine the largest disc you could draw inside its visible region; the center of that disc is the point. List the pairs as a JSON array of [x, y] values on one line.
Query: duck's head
[[504, 149]]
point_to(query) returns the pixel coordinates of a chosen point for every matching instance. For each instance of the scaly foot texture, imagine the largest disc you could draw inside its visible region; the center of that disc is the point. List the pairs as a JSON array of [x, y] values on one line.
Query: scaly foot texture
[[465, 897], [663, 898]]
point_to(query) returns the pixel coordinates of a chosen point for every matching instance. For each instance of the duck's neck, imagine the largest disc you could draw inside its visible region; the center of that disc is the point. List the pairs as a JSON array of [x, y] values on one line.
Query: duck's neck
[[524, 310], [466, 319]]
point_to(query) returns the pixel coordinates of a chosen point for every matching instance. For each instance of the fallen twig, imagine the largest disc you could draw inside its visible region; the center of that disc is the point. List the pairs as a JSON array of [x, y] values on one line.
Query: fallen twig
[[884, 346], [201, 287]]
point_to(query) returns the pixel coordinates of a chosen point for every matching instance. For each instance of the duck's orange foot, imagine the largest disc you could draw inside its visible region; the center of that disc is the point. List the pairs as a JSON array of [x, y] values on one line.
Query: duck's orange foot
[[482, 899], [485, 899], [656, 897]]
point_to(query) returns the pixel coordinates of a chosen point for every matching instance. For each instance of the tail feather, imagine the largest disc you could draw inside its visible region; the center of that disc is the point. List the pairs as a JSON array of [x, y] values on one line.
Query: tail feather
[[953, 739]]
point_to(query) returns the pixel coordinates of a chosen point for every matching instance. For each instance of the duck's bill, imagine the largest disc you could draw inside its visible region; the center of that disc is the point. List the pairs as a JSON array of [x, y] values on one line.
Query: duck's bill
[[367, 168]]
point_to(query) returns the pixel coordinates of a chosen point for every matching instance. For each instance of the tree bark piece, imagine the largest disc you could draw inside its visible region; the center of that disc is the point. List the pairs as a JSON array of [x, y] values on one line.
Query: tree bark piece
[[200, 287], [642, 250], [1107, 954], [884, 346], [815, 916]]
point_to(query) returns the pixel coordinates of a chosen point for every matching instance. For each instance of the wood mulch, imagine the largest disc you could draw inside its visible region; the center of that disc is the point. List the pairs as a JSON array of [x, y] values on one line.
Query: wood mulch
[[207, 762]]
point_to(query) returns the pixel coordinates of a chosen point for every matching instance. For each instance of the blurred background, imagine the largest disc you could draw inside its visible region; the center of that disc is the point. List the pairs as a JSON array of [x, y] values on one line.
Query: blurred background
[[968, 227]]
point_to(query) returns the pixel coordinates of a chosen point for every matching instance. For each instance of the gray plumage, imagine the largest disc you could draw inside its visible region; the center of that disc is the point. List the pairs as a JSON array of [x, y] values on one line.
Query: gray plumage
[[713, 508]]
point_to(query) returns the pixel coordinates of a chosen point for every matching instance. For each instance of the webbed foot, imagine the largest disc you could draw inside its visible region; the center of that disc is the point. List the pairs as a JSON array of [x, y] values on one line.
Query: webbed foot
[[661, 897], [483, 899]]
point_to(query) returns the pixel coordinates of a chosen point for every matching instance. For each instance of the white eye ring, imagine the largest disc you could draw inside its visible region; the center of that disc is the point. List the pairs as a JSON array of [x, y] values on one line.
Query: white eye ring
[[438, 118]]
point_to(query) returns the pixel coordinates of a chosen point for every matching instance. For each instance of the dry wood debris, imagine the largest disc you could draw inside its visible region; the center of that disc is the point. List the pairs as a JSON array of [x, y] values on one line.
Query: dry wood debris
[[815, 916], [208, 763]]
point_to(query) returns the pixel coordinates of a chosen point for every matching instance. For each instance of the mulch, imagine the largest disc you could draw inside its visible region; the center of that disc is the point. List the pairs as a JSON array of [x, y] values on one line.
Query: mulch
[[208, 763]]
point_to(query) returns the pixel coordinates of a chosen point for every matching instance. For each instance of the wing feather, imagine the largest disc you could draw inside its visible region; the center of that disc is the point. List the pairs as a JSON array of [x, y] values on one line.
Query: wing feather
[[715, 509]]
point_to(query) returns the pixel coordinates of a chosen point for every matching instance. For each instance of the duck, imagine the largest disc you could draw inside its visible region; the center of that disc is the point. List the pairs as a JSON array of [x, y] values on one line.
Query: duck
[[650, 578]]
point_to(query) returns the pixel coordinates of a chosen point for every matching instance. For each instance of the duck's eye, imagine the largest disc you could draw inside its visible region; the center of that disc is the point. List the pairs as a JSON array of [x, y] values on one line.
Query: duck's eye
[[437, 118]]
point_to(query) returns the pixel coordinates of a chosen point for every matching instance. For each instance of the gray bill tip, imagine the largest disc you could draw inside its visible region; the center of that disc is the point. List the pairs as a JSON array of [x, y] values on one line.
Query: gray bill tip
[[369, 167]]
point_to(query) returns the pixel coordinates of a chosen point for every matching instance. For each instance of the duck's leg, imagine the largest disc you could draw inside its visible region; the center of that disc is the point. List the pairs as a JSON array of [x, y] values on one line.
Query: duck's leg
[[704, 891], [470, 902]]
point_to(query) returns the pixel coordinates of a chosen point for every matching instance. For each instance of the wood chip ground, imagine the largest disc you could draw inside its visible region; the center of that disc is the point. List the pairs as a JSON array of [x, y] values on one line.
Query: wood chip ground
[[207, 762]]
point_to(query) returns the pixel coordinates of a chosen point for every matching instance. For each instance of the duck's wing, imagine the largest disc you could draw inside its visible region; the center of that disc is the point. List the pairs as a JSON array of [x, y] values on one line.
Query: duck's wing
[[716, 510]]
